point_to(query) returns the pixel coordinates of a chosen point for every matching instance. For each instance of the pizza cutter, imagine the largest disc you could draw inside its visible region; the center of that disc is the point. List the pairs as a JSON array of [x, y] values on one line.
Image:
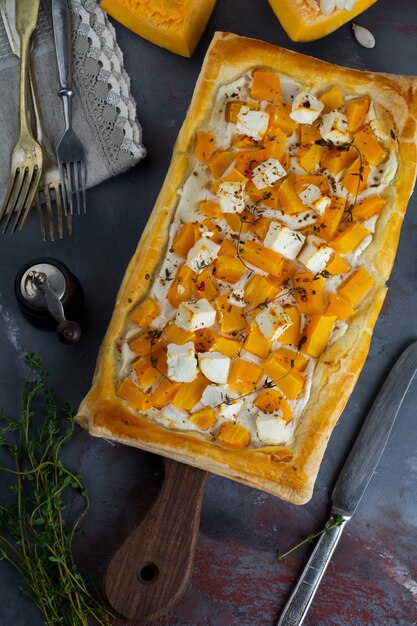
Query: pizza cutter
[[150, 571]]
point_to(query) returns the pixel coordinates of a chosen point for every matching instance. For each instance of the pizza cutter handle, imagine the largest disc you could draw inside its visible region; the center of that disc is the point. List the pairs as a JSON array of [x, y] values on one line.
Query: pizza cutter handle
[[150, 571]]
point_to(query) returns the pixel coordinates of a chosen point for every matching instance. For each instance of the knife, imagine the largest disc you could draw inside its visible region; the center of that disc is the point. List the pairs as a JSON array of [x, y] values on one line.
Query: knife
[[353, 481]]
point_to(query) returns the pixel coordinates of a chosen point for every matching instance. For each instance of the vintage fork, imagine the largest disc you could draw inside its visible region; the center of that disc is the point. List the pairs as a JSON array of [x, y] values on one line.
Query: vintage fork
[[70, 150], [27, 157], [49, 192]]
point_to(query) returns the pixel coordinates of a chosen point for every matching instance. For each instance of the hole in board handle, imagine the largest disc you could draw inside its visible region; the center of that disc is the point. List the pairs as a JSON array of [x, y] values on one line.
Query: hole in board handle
[[148, 573]]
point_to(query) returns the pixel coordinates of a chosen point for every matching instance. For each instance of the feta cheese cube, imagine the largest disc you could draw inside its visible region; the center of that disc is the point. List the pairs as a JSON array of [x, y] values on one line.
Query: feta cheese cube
[[214, 366], [181, 362], [321, 204], [195, 315], [272, 429], [316, 254], [223, 399], [230, 196], [309, 194], [252, 123], [202, 254], [334, 128], [273, 321], [282, 239], [267, 173], [305, 108]]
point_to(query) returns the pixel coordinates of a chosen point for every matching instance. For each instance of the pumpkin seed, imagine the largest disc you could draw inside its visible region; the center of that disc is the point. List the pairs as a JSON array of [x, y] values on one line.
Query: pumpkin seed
[[363, 36], [327, 6], [349, 4]]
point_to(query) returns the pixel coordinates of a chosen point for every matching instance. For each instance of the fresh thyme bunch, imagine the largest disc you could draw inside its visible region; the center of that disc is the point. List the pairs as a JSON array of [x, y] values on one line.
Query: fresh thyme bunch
[[35, 537]]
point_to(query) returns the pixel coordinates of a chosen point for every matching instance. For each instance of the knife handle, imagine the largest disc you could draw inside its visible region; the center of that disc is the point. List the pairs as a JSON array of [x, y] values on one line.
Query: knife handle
[[299, 602]]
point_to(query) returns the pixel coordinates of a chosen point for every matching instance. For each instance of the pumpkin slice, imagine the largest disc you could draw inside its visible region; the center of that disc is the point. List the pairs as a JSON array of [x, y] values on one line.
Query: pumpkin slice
[[303, 21], [176, 25]]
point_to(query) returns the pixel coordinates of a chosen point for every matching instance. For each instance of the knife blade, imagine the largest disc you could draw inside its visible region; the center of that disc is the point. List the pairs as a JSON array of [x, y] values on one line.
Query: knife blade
[[353, 481]]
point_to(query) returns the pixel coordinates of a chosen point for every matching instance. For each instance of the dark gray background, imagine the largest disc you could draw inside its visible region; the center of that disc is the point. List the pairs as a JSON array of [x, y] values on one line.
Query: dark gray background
[[237, 580]]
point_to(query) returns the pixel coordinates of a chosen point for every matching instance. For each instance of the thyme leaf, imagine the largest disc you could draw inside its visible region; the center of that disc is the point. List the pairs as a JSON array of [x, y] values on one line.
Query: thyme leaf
[[333, 522]]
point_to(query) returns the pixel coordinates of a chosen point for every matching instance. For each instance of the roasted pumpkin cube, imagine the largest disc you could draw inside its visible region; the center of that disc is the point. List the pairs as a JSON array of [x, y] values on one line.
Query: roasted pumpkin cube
[[227, 248], [309, 293], [271, 401], [234, 436], [174, 334], [337, 265], [204, 339], [211, 209], [229, 268], [220, 161], [289, 381], [369, 146], [310, 157], [150, 369], [335, 160], [264, 258], [356, 286], [229, 347], [185, 239], [205, 418], [231, 317], [289, 198], [339, 307], [244, 375], [145, 313], [356, 111], [204, 287], [332, 99], [247, 160], [181, 288], [261, 226], [292, 334], [239, 222], [293, 358], [318, 331], [208, 229], [204, 146], [279, 115], [133, 395], [369, 207], [234, 176], [275, 143], [164, 393], [233, 108], [265, 85], [328, 223], [356, 177], [148, 341], [350, 238], [256, 343], [188, 394]]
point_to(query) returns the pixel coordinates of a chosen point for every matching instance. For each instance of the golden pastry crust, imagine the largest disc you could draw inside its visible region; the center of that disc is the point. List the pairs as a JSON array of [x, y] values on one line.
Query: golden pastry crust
[[287, 472]]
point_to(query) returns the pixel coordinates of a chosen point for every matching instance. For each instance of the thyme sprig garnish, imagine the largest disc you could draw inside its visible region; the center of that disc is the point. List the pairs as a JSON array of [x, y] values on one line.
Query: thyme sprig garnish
[[36, 530], [339, 520]]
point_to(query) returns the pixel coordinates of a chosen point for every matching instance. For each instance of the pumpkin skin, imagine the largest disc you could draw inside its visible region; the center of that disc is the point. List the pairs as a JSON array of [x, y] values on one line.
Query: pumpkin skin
[[176, 25], [303, 22]]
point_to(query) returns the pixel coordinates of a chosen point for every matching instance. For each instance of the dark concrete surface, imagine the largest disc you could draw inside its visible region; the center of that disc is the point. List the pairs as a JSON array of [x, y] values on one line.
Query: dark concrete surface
[[237, 579]]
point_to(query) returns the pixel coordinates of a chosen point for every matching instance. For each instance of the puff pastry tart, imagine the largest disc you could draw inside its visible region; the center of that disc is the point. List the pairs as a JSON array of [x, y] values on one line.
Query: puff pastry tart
[[246, 313]]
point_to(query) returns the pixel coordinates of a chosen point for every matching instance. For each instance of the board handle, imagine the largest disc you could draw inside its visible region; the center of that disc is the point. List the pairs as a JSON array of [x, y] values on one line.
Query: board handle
[[150, 571]]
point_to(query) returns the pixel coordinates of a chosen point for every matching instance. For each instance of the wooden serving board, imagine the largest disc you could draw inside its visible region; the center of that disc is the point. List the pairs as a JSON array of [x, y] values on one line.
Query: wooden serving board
[[150, 571]]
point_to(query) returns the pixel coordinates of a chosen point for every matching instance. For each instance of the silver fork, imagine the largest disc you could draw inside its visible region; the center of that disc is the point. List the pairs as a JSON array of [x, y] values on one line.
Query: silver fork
[[49, 192], [70, 150], [27, 157]]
